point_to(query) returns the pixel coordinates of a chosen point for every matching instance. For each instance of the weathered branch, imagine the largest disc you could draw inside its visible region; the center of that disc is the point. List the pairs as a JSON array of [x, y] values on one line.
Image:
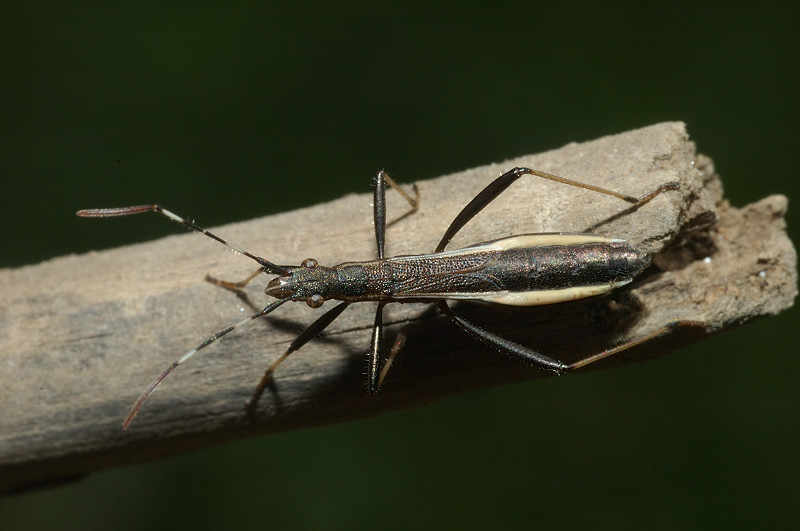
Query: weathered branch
[[71, 368]]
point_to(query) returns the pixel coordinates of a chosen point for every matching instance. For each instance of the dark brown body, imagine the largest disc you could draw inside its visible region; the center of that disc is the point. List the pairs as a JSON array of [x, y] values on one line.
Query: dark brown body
[[521, 270]]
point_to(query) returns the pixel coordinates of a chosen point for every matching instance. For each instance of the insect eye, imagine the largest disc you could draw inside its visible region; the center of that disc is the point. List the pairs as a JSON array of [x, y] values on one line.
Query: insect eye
[[309, 263], [315, 301]]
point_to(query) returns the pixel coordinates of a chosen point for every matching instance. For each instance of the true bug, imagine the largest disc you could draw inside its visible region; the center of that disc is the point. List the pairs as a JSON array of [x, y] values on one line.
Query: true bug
[[523, 270]]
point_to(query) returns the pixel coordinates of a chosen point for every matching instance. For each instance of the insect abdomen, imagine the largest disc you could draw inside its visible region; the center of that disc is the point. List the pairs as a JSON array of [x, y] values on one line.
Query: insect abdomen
[[586, 264], [523, 270]]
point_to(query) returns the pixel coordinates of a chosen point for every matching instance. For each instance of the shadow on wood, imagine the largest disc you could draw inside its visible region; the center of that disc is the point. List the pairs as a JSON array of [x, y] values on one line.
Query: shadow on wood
[[72, 368]]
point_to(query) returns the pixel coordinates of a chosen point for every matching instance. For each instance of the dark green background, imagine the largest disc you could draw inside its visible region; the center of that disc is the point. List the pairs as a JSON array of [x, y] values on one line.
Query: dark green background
[[228, 113]]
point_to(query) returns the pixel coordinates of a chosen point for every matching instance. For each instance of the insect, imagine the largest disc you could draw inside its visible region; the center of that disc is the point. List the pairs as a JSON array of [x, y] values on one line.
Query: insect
[[521, 270]]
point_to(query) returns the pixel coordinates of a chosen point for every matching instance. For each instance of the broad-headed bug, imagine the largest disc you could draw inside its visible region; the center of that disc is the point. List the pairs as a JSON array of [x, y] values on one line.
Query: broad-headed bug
[[523, 270]]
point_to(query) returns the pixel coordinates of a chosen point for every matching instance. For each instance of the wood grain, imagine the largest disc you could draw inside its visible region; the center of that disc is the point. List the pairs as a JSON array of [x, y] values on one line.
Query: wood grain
[[71, 368]]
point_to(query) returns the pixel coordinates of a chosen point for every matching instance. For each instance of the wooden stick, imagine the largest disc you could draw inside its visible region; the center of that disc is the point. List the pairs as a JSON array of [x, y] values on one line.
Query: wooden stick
[[83, 335]]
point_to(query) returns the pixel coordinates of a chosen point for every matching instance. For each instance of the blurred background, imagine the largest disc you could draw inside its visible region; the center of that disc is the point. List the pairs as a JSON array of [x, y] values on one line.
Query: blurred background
[[229, 113]]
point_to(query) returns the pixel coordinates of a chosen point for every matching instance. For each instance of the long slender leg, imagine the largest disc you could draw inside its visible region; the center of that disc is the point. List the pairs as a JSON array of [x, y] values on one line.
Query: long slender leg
[[375, 359], [312, 331], [399, 343], [379, 212], [499, 185], [413, 202], [644, 339], [376, 363], [534, 358], [502, 344], [127, 211], [234, 286], [379, 206], [150, 388]]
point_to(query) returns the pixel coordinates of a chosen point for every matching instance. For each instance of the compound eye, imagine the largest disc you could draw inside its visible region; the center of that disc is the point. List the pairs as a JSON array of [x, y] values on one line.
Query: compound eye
[[309, 263], [315, 301]]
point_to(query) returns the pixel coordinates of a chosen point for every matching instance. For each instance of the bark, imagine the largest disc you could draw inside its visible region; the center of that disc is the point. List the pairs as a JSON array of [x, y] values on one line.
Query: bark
[[81, 336]]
